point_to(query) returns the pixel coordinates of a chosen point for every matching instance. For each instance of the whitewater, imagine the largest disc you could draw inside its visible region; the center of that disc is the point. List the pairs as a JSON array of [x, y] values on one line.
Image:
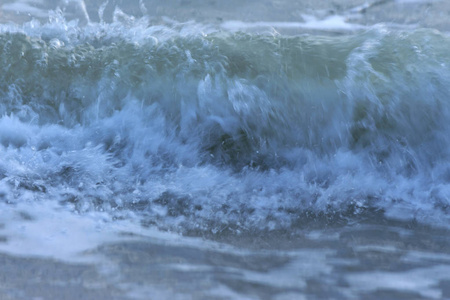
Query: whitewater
[[147, 157]]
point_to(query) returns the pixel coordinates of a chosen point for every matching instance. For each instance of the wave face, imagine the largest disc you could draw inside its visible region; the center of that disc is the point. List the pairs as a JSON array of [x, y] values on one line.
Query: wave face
[[225, 131]]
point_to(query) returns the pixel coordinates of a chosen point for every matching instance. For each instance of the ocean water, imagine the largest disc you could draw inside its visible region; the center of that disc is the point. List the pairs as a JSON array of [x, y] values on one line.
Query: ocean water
[[158, 151]]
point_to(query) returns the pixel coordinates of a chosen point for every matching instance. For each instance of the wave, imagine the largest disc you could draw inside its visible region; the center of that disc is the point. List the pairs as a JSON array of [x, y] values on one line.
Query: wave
[[203, 130]]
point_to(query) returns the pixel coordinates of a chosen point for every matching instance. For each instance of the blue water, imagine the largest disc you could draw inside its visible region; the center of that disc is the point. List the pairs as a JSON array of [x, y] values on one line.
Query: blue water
[[236, 130], [215, 132]]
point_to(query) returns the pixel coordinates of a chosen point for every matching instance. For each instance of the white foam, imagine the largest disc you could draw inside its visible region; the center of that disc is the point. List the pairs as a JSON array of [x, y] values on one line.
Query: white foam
[[331, 23], [294, 275], [421, 281], [35, 229], [49, 230]]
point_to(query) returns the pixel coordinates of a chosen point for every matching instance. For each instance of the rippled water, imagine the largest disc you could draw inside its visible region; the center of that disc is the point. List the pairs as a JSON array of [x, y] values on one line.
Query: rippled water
[[142, 156]]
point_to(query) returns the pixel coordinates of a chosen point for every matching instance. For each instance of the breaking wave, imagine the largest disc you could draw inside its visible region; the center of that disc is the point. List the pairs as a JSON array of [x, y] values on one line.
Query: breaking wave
[[195, 129]]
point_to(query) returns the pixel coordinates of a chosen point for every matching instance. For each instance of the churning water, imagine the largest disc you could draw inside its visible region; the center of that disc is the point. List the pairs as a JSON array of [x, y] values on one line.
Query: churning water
[[317, 146]]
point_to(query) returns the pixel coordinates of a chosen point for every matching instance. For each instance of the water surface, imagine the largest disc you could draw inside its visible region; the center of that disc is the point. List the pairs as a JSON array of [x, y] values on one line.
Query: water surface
[[203, 150]]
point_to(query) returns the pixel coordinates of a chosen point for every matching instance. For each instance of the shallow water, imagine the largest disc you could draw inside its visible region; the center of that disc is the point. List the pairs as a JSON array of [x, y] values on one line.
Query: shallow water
[[207, 151]]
